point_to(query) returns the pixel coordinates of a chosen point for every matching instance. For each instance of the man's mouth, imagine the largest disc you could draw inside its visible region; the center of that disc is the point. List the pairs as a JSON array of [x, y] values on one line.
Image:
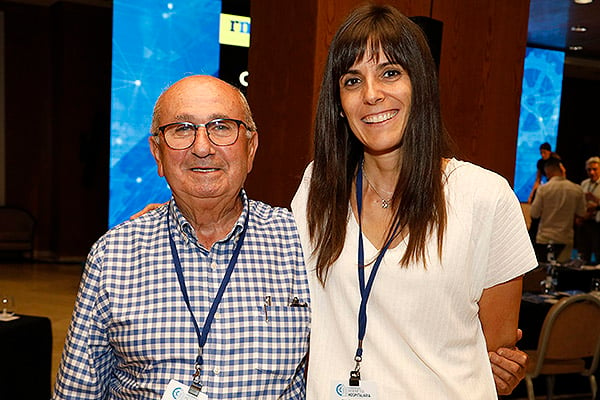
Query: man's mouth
[[204, 169]]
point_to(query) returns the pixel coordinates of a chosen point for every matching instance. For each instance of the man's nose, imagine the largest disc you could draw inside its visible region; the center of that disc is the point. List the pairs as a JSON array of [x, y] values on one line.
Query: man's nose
[[202, 145]]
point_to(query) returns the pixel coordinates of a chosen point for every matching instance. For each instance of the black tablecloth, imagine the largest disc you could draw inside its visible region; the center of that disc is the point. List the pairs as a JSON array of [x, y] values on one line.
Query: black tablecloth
[[26, 361], [575, 279], [568, 276]]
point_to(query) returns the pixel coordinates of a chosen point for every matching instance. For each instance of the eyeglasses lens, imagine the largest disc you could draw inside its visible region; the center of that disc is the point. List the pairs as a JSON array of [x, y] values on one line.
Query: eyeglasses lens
[[221, 132]]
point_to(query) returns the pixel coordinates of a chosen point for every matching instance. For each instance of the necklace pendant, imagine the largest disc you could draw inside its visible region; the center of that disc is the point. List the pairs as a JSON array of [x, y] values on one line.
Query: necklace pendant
[[385, 203]]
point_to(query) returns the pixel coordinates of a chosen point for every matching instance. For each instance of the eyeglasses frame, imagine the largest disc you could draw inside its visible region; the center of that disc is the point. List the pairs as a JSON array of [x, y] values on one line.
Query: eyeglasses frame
[[239, 123]]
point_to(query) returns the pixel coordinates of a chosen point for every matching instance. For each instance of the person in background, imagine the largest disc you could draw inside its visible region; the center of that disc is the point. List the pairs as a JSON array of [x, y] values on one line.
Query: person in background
[[415, 258], [540, 177], [206, 295], [556, 204], [588, 227], [546, 153]]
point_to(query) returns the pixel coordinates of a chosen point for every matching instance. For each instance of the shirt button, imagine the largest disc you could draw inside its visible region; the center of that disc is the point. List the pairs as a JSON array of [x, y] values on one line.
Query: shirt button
[[217, 370], [213, 265]]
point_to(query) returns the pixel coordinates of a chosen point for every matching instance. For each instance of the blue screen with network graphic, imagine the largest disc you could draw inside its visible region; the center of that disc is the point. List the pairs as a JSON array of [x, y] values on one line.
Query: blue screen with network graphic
[[155, 43], [540, 110]]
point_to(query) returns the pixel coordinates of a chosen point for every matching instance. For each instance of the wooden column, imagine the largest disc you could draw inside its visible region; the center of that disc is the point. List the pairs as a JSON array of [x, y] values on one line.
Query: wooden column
[[481, 71]]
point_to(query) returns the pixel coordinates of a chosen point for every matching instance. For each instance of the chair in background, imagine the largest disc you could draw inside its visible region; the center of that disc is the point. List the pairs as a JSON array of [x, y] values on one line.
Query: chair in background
[[16, 231], [569, 343]]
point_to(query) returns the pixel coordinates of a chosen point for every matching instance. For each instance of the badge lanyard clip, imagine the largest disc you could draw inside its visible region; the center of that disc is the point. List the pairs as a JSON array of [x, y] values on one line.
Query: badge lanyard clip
[[196, 386], [355, 375]]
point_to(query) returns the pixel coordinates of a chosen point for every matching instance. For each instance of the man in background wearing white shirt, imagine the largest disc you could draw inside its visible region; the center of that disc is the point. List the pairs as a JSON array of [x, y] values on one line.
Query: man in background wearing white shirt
[[557, 203], [588, 232]]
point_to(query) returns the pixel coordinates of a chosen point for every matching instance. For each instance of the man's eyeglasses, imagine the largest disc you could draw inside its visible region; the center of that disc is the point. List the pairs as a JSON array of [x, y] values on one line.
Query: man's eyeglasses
[[182, 135]]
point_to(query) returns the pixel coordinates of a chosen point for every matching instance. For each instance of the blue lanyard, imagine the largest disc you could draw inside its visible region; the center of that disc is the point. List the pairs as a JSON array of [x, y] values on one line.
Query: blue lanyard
[[202, 336], [365, 290]]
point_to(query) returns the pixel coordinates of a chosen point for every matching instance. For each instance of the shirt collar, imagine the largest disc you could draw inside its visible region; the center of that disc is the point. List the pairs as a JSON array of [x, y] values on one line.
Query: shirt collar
[[187, 232], [557, 178]]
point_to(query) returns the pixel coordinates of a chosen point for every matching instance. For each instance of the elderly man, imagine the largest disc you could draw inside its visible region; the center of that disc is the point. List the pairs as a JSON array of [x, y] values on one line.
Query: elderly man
[[205, 297], [588, 232]]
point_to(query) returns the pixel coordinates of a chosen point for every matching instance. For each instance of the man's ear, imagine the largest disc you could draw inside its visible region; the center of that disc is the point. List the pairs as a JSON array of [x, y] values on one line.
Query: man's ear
[[156, 152], [252, 147]]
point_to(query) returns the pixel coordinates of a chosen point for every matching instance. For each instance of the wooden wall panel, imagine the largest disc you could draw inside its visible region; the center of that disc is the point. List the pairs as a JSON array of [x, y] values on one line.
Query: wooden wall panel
[[29, 152], [81, 125], [58, 63], [282, 53], [481, 69]]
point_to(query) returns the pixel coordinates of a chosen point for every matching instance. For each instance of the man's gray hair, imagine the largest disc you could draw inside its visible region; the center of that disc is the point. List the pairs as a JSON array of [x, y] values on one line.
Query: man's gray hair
[[592, 160]]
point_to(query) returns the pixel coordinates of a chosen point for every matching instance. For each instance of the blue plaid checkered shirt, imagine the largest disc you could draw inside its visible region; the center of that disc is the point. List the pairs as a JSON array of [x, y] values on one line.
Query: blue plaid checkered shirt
[[131, 331]]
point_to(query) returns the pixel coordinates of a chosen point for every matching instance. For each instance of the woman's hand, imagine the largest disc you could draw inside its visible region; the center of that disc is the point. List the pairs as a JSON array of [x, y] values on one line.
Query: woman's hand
[[149, 207], [509, 367]]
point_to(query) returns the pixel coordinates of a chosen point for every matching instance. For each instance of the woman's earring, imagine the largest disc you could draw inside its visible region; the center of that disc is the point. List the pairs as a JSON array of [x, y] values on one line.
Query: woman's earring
[[342, 114]]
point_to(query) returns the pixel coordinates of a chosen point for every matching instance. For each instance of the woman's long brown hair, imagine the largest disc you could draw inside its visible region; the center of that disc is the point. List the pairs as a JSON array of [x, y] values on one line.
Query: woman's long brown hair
[[419, 203]]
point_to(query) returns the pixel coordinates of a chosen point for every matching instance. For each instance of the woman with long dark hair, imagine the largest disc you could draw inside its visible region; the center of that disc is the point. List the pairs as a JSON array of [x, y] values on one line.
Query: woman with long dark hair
[[415, 258]]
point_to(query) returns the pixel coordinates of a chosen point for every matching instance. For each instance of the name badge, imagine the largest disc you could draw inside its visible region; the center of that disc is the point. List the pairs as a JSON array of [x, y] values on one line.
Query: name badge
[[178, 391], [342, 391]]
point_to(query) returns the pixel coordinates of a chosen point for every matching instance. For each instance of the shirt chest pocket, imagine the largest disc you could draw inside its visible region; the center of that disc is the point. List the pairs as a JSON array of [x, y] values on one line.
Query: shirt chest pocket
[[280, 338]]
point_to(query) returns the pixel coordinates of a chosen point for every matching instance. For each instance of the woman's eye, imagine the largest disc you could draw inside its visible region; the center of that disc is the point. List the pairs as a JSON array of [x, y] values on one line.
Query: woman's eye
[[392, 73], [351, 81]]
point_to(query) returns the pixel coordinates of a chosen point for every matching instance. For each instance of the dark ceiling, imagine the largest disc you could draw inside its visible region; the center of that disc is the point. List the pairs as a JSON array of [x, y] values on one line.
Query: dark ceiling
[[551, 24]]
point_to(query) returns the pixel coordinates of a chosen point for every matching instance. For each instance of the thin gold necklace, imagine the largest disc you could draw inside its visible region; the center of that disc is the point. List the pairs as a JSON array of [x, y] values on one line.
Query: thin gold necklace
[[385, 203]]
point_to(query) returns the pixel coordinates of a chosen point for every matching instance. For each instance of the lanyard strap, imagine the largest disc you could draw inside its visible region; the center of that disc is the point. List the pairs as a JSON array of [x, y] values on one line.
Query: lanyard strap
[[202, 336], [365, 290]]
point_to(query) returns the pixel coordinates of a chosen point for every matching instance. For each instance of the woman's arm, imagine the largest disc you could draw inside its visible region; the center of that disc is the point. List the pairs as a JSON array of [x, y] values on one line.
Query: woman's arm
[[499, 316], [499, 313]]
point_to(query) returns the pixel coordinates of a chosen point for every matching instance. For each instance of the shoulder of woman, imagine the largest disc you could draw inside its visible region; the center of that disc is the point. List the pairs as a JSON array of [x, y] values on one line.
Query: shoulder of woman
[[467, 170], [300, 198], [476, 180], [308, 171]]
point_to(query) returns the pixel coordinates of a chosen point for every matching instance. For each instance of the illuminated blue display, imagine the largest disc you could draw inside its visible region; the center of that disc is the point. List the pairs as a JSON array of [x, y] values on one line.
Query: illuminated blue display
[[540, 110], [155, 43]]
